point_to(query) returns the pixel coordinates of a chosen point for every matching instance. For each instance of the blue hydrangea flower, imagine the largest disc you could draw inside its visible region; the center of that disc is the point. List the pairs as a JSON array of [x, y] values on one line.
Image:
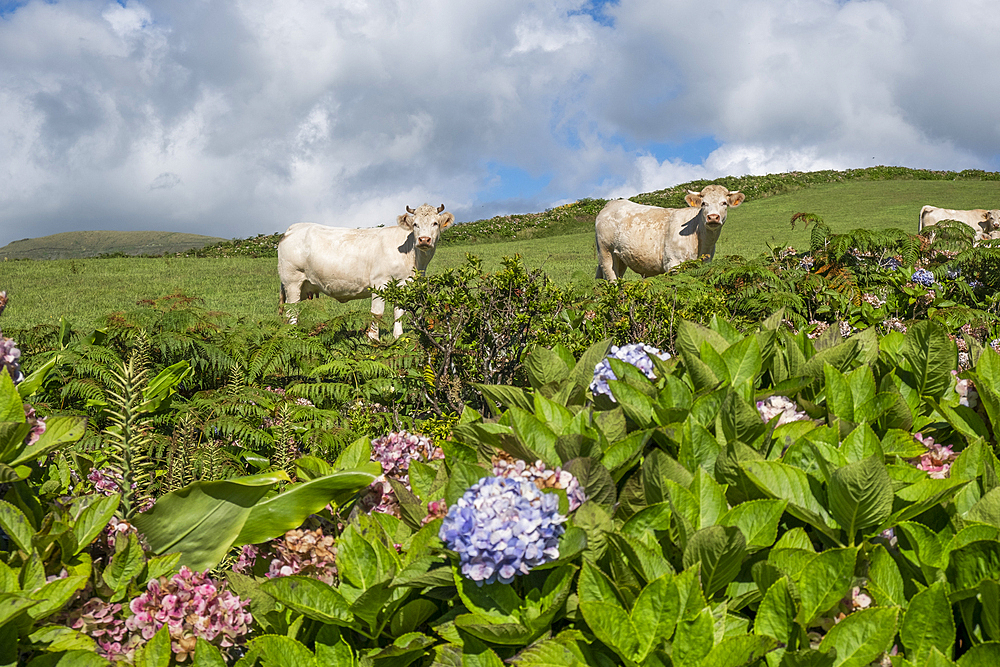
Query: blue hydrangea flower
[[501, 528], [923, 277], [889, 263], [636, 354]]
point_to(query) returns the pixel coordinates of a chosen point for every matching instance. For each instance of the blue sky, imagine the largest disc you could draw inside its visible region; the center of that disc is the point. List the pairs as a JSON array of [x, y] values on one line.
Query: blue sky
[[233, 119]]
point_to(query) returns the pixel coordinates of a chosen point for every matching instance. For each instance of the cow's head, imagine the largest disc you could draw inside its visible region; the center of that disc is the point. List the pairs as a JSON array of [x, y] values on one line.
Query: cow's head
[[714, 201], [426, 223], [992, 220]]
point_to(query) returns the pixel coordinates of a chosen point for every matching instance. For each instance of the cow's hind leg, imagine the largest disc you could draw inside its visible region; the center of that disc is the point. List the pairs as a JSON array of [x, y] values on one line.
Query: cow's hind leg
[[607, 266]]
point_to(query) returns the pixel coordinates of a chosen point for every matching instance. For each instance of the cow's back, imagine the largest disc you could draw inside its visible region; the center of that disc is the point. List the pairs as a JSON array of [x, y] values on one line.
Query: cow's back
[[343, 263], [640, 235], [932, 215]]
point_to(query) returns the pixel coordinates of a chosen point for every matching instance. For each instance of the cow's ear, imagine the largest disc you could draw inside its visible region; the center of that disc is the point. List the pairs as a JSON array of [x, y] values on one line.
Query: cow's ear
[[693, 199], [445, 220], [404, 222], [735, 198]]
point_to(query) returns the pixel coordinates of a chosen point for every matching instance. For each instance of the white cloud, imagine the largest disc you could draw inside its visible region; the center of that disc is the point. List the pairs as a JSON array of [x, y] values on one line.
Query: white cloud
[[238, 118]]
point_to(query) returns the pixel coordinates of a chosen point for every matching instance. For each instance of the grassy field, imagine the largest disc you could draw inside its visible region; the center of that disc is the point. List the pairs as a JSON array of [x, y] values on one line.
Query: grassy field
[[76, 245], [87, 290]]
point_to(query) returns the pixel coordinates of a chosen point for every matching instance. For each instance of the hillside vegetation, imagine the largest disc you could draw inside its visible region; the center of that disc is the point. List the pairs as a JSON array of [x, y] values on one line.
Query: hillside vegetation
[[79, 245]]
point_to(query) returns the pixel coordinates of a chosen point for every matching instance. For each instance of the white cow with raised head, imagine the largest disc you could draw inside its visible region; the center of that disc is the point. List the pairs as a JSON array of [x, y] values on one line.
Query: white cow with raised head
[[981, 220], [347, 263], [650, 240]]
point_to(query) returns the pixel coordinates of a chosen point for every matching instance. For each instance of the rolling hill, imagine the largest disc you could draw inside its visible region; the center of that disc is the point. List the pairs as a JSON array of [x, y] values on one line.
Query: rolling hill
[[79, 245]]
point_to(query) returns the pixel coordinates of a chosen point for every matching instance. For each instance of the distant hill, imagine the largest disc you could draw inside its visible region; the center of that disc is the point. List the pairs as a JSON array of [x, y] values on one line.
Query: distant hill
[[78, 245]]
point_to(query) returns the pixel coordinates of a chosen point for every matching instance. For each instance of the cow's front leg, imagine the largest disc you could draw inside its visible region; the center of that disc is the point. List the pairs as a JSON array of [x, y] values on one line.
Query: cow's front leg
[[397, 325], [378, 307]]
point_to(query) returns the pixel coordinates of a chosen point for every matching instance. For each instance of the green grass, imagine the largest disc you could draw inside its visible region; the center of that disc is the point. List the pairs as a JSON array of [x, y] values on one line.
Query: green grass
[[85, 291]]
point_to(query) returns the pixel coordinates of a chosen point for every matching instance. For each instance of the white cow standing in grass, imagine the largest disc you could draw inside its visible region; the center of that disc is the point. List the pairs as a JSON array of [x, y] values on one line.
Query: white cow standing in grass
[[983, 222], [347, 263], [650, 240]]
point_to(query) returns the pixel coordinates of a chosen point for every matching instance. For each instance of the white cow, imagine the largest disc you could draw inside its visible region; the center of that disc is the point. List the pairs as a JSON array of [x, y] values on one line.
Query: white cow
[[347, 263], [982, 221], [650, 240]]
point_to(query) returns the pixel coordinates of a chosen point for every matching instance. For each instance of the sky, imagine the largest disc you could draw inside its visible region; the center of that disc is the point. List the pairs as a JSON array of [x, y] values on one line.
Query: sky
[[233, 118]]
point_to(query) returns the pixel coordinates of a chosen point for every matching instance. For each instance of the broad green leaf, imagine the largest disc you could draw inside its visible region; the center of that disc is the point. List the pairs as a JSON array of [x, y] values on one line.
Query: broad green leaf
[[720, 551], [612, 625], [282, 651], [16, 525], [411, 615], [11, 605], [860, 495], [490, 630], [711, 498], [287, 510], [804, 494], [923, 495], [989, 597], [54, 595], [655, 613], [986, 654], [987, 509], [207, 654], [58, 432], [496, 601], [694, 638], [825, 580], [93, 519], [126, 564], [357, 454], [839, 400], [928, 623], [203, 519], [757, 520], [357, 560], [11, 405], [155, 652], [739, 651], [505, 395], [931, 356], [924, 544], [536, 435], [969, 565], [310, 597], [595, 586], [861, 637], [884, 579], [776, 613]]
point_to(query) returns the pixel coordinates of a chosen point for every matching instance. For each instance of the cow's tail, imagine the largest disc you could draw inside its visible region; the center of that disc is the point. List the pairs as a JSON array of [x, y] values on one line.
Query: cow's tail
[[281, 300], [597, 246]]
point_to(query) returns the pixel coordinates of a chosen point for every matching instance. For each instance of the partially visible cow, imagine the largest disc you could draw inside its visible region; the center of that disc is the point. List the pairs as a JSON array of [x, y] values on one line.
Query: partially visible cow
[[982, 221], [650, 240], [347, 263]]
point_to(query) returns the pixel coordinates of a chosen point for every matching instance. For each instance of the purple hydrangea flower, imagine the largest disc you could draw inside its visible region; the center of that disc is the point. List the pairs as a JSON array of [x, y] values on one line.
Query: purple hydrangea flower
[[394, 453], [9, 356], [192, 605], [923, 277], [501, 528], [637, 354], [505, 465]]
